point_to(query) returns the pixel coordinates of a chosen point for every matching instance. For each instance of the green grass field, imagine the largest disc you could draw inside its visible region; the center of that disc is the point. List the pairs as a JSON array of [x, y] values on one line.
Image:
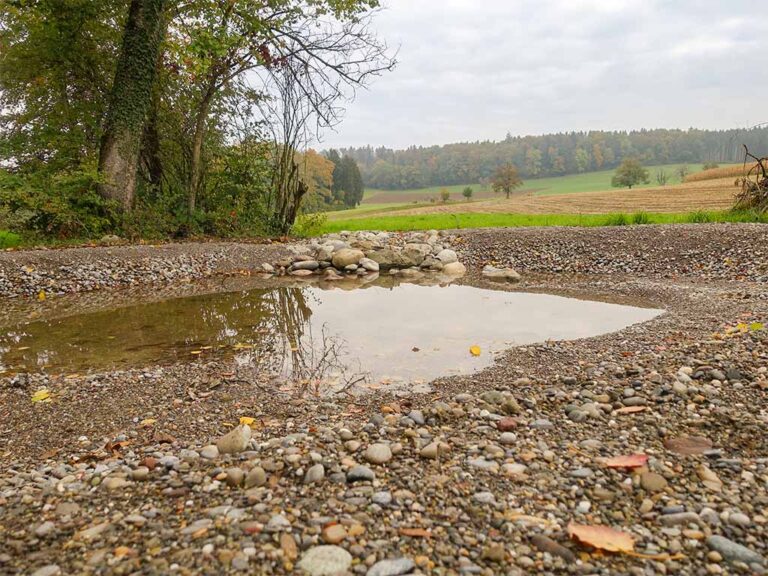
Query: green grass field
[[589, 182], [472, 220]]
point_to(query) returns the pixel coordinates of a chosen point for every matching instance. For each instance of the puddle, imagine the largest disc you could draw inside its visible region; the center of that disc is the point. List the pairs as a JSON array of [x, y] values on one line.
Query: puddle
[[389, 335]]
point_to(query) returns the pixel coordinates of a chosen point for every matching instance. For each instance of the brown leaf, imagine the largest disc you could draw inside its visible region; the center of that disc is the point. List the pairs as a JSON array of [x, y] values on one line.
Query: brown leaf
[[631, 409], [629, 461], [602, 537], [688, 445], [416, 532]]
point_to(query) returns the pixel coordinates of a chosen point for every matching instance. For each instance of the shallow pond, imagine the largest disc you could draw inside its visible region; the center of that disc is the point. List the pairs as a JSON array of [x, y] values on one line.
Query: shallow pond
[[386, 334]]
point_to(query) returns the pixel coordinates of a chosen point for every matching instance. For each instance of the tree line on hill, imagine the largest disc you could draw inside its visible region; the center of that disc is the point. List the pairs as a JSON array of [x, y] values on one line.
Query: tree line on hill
[[159, 117], [548, 155]]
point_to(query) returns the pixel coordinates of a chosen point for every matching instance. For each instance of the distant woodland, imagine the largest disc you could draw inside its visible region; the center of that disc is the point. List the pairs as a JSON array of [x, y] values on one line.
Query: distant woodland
[[549, 155]]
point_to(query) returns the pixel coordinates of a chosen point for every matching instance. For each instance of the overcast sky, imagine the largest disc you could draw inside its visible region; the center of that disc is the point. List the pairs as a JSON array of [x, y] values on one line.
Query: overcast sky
[[476, 69]]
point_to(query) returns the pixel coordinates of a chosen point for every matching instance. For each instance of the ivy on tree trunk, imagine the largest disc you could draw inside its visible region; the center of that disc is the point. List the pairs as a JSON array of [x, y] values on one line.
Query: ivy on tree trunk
[[131, 100]]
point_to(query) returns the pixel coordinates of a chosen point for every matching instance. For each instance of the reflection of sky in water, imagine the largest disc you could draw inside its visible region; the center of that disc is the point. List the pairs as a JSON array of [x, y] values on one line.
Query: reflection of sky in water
[[378, 329]]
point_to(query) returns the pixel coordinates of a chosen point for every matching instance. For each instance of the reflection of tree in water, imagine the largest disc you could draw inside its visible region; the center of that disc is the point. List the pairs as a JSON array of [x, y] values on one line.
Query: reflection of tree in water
[[257, 320]]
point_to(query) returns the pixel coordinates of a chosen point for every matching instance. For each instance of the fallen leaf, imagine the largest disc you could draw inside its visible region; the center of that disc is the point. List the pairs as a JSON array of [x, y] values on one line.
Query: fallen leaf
[[474, 350], [629, 461], [631, 409], [755, 326], [43, 395], [247, 420], [688, 445], [602, 537], [147, 422], [416, 532], [41, 295]]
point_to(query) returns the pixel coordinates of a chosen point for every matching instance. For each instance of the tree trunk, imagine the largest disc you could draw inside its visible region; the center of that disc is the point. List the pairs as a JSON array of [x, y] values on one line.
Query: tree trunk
[[130, 100], [197, 147]]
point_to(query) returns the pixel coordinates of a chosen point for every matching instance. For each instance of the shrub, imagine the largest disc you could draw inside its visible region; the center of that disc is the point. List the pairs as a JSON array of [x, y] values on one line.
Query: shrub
[[309, 224], [641, 218], [9, 239], [699, 217], [617, 220], [64, 205], [444, 195], [467, 192]]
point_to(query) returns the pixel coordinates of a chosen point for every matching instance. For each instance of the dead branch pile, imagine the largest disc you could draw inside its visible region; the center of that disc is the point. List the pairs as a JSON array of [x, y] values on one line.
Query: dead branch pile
[[754, 184]]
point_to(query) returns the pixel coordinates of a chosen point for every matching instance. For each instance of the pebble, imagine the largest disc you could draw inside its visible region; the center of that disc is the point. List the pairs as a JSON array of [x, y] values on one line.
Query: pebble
[[732, 551], [378, 453], [315, 474], [256, 477], [394, 567], [652, 482], [360, 474], [325, 561], [210, 452], [49, 570], [235, 441]]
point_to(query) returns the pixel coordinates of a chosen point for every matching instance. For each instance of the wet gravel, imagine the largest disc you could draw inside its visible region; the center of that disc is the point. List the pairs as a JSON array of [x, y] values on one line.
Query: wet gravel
[[120, 473]]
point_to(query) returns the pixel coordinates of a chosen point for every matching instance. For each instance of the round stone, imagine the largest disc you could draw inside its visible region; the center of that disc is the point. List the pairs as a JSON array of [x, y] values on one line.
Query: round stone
[[325, 561], [378, 453]]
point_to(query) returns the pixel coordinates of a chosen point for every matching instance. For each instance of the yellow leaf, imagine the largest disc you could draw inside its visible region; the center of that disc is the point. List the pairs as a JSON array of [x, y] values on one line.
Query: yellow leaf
[[602, 537], [241, 346], [474, 350], [148, 421], [247, 420], [41, 295], [755, 326], [196, 352], [41, 395]]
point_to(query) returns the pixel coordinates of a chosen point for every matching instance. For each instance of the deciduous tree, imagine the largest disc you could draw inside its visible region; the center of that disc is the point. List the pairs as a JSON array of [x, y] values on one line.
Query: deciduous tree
[[630, 173], [505, 179]]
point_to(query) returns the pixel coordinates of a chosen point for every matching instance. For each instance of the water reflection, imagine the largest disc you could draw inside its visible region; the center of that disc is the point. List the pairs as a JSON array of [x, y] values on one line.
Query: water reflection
[[310, 334]]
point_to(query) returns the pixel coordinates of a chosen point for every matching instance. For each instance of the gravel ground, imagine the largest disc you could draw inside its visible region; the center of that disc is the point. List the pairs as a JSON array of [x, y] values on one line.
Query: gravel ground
[[483, 475]]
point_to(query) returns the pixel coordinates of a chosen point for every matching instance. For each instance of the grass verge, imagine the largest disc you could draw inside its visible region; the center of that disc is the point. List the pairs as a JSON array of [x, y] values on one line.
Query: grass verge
[[471, 220], [9, 239]]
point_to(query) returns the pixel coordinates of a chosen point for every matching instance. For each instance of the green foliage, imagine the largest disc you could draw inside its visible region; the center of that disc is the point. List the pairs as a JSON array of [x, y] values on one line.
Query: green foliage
[[710, 165], [617, 220], [467, 192], [641, 218], [630, 173], [308, 225], [63, 205], [699, 217], [9, 239]]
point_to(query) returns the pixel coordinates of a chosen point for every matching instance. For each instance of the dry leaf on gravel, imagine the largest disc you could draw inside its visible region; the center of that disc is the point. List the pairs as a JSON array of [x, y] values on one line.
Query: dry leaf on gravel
[[474, 350], [688, 445], [416, 532], [602, 537], [629, 461], [631, 409]]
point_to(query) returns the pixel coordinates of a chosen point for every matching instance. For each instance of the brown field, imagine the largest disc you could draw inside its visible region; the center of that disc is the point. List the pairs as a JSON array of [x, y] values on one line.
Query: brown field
[[735, 171], [689, 197]]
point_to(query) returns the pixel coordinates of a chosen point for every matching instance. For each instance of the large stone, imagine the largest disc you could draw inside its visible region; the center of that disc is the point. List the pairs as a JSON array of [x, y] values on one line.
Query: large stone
[[454, 269], [346, 256], [501, 274], [447, 256], [369, 265], [235, 441], [414, 254], [325, 561]]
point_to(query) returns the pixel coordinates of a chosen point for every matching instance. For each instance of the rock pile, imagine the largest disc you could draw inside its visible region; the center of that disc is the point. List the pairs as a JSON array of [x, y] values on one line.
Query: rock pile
[[361, 253]]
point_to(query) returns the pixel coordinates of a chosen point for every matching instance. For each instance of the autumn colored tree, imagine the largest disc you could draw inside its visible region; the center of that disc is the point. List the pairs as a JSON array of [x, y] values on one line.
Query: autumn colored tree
[[630, 173], [506, 179]]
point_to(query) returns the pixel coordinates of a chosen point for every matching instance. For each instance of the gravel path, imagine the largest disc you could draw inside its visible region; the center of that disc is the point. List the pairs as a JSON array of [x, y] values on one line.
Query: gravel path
[[119, 474]]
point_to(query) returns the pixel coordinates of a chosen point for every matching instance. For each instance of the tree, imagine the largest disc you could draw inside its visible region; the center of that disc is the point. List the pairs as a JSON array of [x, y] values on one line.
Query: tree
[[444, 195], [505, 179], [630, 173], [683, 171], [467, 192], [130, 100], [662, 177]]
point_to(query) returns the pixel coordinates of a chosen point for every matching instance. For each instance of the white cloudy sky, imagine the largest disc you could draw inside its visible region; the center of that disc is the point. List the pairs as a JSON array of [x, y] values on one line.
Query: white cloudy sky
[[475, 69]]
